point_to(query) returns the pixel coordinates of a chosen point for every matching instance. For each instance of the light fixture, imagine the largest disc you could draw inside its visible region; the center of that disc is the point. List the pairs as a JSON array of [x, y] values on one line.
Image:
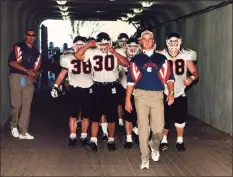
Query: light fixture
[[63, 8], [100, 11], [64, 13], [111, 0], [131, 15], [124, 18], [66, 17], [147, 4], [137, 11], [61, 2]]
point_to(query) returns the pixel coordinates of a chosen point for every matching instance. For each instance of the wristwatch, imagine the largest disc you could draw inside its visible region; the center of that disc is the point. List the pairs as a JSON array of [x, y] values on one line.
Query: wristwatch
[[171, 92]]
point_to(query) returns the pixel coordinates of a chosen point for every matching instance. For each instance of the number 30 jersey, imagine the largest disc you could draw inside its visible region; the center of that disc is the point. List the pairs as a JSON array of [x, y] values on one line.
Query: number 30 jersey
[[180, 68], [79, 73], [104, 65]]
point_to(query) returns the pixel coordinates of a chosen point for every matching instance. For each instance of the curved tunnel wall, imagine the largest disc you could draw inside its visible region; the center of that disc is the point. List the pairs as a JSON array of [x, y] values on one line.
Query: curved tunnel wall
[[209, 34]]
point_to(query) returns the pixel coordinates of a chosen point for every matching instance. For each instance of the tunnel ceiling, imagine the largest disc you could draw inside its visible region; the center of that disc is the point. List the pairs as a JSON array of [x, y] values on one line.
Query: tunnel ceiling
[[105, 10]]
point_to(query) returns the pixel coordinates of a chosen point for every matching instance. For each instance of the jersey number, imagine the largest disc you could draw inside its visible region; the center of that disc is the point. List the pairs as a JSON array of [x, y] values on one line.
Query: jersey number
[[106, 62], [86, 67], [179, 66]]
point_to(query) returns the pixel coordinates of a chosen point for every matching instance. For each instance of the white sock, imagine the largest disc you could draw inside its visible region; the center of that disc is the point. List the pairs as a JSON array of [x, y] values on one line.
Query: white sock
[[94, 139], [110, 139], [164, 140], [73, 135], [179, 139], [121, 121], [135, 130], [83, 135], [104, 127], [129, 138]]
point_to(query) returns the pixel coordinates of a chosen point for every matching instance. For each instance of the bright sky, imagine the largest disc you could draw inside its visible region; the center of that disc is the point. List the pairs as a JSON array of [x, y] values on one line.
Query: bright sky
[[59, 30]]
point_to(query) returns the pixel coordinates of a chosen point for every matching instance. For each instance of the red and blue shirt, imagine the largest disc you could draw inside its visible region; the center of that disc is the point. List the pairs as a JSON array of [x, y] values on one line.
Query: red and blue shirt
[[27, 57], [149, 72]]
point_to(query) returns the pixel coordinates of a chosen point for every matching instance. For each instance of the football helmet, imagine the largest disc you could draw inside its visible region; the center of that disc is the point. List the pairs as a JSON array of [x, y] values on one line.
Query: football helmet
[[122, 39], [51, 45], [132, 47], [103, 41], [173, 43], [90, 38], [79, 42]]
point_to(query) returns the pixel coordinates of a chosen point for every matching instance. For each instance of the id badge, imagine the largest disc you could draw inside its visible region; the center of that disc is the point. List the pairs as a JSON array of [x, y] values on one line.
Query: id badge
[[149, 69], [22, 81], [113, 90]]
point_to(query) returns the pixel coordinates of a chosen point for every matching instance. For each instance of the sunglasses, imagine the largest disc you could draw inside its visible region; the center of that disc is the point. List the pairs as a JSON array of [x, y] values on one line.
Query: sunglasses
[[33, 35]]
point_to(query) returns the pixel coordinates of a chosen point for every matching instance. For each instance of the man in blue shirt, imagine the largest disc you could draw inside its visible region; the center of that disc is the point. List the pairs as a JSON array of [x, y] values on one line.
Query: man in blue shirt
[[148, 73], [24, 61]]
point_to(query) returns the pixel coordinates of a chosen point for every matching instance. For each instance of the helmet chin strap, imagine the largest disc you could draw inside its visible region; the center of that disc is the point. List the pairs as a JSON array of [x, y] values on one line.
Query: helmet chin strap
[[173, 52]]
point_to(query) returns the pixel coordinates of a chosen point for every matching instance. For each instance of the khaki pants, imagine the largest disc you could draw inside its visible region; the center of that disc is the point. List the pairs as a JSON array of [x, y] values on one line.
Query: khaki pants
[[21, 99], [150, 112]]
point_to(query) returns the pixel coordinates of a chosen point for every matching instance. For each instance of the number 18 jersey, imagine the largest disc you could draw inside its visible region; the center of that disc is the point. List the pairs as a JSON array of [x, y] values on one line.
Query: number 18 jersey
[[79, 73], [180, 68], [104, 65]]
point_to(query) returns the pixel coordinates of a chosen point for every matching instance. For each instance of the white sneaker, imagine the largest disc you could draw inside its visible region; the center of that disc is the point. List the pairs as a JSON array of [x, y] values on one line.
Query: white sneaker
[[145, 164], [135, 130], [15, 132], [27, 136], [154, 154]]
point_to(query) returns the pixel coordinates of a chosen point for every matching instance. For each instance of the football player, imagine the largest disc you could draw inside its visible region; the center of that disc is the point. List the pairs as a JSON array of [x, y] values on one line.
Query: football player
[[80, 80], [122, 42], [132, 49], [104, 61], [182, 61]]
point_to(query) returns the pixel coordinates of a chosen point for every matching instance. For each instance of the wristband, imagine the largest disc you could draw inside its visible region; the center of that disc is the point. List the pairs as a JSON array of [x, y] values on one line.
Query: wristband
[[25, 70], [193, 78]]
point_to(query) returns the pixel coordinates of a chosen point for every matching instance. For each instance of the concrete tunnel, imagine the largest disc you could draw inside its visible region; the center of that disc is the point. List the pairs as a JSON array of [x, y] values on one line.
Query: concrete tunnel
[[205, 26]]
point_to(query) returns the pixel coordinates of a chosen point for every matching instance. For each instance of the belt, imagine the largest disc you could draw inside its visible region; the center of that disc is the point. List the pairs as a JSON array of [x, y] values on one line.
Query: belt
[[106, 83]]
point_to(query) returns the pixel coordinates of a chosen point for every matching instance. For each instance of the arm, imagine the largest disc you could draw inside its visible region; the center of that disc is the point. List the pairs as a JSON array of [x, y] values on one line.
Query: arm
[[132, 78], [121, 59], [128, 104], [170, 83], [80, 54], [55, 91], [193, 70], [60, 77]]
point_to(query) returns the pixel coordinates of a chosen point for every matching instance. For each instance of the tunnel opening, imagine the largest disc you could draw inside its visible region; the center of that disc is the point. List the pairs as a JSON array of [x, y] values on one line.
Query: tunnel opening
[[55, 34]]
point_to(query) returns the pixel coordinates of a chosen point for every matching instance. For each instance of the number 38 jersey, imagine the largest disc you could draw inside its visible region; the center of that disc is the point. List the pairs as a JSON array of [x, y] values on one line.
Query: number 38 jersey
[[79, 73], [180, 67], [104, 65]]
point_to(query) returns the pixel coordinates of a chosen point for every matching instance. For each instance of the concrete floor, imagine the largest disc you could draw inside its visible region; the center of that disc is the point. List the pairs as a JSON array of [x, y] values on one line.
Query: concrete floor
[[209, 152]]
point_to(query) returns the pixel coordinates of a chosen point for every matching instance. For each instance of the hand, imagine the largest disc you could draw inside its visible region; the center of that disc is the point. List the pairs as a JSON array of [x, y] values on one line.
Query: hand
[[128, 106], [91, 43], [111, 49], [170, 99], [188, 81], [54, 92], [31, 73], [34, 78]]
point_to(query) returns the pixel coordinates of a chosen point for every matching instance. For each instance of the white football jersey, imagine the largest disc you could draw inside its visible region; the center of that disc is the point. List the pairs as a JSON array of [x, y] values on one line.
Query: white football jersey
[[124, 71], [79, 72], [104, 65], [179, 65]]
